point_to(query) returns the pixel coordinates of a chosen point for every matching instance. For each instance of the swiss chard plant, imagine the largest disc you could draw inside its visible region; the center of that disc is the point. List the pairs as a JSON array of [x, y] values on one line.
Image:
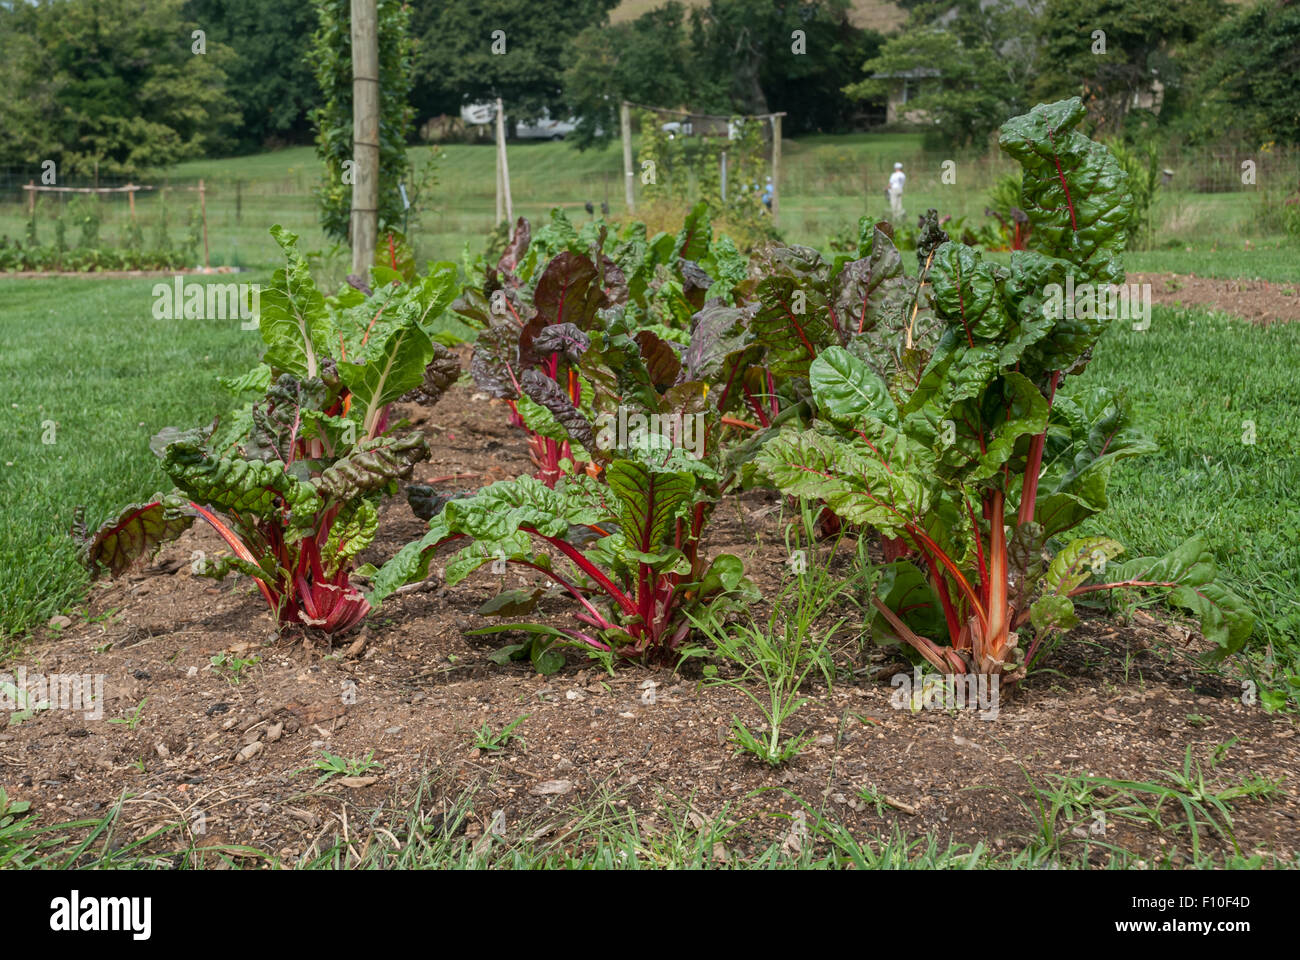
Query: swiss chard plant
[[626, 550], [632, 527], [941, 424], [292, 479], [538, 306]]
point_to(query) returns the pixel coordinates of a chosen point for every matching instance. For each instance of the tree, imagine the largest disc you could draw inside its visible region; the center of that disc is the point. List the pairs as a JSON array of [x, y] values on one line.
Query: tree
[[473, 52], [114, 86], [730, 56], [969, 98], [269, 74], [1249, 84], [647, 60], [985, 53], [1108, 51]]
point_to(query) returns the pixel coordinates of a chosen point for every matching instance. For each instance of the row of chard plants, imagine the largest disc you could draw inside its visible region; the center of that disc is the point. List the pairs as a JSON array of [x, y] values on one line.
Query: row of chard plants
[[926, 409]]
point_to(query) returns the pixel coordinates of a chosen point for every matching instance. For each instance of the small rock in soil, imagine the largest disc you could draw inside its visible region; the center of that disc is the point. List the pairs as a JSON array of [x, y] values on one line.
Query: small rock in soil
[[59, 623], [357, 782], [249, 752], [551, 788]]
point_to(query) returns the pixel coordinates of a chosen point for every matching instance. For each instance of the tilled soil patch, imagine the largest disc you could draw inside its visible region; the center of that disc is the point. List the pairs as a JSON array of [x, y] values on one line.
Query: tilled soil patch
[[1259, 301], [230, 761]]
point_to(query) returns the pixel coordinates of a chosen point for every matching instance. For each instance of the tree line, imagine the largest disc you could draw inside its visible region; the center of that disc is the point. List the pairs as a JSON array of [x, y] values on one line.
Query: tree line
[[118, 86]]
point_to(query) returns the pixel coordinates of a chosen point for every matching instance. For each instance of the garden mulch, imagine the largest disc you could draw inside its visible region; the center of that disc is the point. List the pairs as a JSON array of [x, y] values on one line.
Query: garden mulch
[[1125, 700]]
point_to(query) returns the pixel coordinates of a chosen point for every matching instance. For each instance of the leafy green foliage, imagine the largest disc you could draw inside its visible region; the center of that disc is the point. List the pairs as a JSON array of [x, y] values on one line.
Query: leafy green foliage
[[909, 439], [962, 85], [1248, 80], [459, 58], [331, 58], [268, 72], [636, 542], [83, 95], [291, 480], [578, 327]]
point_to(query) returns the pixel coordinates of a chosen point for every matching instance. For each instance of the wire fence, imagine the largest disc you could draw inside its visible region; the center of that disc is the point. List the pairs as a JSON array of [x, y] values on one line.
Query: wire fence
[[823, 183]]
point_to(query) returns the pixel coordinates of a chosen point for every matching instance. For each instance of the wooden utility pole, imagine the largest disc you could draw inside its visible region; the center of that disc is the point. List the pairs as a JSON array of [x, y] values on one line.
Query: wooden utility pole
[[776, 168], [502, 166], [625, 122], [365, 134]]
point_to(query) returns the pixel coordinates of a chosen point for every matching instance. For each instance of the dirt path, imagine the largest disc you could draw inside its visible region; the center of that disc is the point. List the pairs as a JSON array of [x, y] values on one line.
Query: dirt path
[[225, 759]]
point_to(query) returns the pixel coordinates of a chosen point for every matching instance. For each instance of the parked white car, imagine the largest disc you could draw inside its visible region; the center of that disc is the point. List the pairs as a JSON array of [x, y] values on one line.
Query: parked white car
[[544, 128]]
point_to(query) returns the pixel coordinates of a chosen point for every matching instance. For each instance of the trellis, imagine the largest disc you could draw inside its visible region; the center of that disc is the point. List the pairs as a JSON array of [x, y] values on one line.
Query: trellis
[[130, 189], [708, 121]]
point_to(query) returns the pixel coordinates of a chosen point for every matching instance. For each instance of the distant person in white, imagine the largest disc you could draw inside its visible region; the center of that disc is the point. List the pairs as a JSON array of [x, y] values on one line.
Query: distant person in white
[[896, 181]]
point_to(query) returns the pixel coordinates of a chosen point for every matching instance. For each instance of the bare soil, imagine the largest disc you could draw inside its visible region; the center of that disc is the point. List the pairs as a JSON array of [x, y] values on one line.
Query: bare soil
[[1126, 702], [1259, 301]]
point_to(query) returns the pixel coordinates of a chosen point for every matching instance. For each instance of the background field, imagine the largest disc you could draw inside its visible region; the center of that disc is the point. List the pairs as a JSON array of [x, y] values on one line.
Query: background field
[[826, 184]]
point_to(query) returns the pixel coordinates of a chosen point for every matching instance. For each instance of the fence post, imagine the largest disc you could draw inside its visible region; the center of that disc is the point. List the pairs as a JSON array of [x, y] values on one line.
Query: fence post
[[203, 209], [501, 204], [505, 166], [776, 169], [365, 134], [31, 197], [625, 124]]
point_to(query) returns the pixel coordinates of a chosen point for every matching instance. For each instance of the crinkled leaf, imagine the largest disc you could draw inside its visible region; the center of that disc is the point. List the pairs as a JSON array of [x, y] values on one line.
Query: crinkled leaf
[[650, 501], [294, 322], [1225, 619], [563, 338], [545, 392], [847, 391], [439, 376], [237, 485], [494, 364], [374, 464], [137, 532]]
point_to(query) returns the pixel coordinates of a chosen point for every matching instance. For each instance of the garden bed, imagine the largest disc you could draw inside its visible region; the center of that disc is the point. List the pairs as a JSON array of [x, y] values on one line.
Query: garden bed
[[1127, 703], [1255, 300]]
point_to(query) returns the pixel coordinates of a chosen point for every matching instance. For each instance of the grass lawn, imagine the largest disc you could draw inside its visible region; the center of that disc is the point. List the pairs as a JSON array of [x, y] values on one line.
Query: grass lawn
[[1199, 381], [89, 368]]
